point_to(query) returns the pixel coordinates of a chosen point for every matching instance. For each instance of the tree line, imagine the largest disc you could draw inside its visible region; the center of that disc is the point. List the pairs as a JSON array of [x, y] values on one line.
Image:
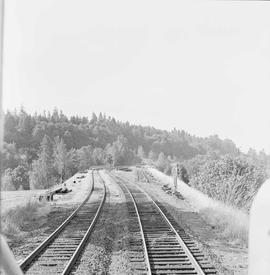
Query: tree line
[[55, 163], [41, 150]]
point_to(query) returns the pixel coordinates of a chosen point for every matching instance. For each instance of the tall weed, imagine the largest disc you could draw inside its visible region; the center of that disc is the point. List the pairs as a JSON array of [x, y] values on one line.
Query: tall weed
[[14, 220]]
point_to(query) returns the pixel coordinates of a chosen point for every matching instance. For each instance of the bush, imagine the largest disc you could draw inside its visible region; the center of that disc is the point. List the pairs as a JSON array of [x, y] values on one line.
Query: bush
[[14, 220], [163, 164], [232, 223], [7, 184], [20, 177], [232, 180], [183, 174]]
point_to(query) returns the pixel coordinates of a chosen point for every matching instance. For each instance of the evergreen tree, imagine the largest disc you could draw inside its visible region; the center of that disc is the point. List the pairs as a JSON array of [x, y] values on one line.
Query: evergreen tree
[[109, 159], [163, 164], [60, 158], [120, 152], [55, 115], [7, 183], [98, 156], [72, 164], [183, 174], [140, 152], [100, 117], [41, 175], [94, 118], [20, 177], [9, 156], [152, 155], [85, 157]]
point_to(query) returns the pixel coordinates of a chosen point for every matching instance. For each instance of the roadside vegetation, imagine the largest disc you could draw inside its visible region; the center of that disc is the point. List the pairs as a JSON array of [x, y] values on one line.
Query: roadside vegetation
[[230, 222], [16, 223], [41, 150], [230, 183], [233, 180]]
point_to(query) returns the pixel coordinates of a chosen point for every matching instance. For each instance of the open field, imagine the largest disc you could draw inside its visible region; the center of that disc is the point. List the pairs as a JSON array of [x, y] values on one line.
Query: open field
[[29, 230], [11, 199]]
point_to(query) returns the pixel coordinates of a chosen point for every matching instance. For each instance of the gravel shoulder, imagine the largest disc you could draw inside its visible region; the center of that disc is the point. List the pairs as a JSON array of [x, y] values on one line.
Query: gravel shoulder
[[228, 257]]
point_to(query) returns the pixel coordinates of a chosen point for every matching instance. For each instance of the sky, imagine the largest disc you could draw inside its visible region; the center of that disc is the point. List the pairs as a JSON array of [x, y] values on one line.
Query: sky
[[200, 66]]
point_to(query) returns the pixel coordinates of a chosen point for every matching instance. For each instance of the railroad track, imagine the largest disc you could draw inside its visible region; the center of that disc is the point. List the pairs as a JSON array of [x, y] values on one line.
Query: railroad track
[[141, 176], [137, 247], [60, 251], [148, 176], [167, 248], [145, 176]]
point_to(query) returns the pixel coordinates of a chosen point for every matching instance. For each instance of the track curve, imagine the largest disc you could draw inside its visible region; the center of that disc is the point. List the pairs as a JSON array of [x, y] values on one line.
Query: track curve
[[169, 249], [59, 252], [138, 250]]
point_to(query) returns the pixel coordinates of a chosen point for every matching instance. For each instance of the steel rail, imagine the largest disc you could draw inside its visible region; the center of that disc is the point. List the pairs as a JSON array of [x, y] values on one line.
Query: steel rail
[[141, 230], [80, 247], [49, 239], [145, 176], [196, 266], [185, 248]]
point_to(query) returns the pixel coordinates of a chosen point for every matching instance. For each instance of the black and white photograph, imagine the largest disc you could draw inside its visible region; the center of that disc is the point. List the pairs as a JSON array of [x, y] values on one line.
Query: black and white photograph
[[135, 137]]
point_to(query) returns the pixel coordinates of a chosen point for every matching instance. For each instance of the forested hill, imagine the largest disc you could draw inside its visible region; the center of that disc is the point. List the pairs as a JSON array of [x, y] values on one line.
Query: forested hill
[[41, 150], [27, 132]]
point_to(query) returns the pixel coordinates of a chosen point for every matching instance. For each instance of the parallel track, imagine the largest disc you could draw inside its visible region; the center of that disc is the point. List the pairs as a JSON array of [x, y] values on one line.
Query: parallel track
[[59, 252], [169, 250], [137, 245]]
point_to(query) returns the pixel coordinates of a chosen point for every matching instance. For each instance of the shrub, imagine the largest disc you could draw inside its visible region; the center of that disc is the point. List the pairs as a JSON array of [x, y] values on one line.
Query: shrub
[[163, 164], [7, 184], [183, 174], [231, 222], [232, 180], [20, 177], [14, 220]]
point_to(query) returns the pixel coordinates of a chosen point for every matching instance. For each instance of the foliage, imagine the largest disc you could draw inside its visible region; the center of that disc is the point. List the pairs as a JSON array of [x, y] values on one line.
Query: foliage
[[85, 157], [72, 163], [20, 177], [120, 152], [14, 221], [232, 180], [163, 164], [27, 131], [9, 156], [152, 155], [50, 146], [15, 179], [98, 156], [41, 175], [7, 184], [60, 158], [183, 174], [140, 152]]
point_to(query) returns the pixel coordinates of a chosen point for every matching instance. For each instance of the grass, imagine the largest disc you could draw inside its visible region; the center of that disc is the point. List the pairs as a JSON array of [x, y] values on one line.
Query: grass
[[16, 222], [232, 223]]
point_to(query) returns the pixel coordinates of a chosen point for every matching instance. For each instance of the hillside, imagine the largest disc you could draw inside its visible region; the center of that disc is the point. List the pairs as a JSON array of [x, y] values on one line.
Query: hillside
[[41, 150]]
